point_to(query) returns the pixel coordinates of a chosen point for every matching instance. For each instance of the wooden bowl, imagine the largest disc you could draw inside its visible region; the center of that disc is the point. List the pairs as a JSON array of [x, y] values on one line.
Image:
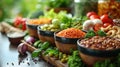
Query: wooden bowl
[[32, 30], [65, 44], [15, 37], [91, 56], [46, 36]]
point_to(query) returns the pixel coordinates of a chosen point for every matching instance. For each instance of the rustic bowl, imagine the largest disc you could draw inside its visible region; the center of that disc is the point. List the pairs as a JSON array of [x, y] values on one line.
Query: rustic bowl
[[91, 56], [65, 44], [46, 36], [32, 30], [15, 40]]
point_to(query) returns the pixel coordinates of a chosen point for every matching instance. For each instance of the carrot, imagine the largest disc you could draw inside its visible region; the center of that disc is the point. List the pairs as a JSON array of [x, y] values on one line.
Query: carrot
[[71, 33]]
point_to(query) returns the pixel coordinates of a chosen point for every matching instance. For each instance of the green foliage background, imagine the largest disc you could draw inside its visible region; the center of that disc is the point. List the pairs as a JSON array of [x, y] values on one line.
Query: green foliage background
[[13, 8]]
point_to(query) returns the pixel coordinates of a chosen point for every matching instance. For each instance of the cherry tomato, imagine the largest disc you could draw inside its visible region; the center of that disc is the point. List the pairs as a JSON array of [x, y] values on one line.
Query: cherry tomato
[[92, 17], [90, 13], [97, 27], [105, 19], [106, 24]]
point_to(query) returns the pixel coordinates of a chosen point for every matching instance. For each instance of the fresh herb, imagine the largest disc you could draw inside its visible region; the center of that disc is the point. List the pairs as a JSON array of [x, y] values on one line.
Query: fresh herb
[[109, 63], [101, 33], [52, 52], [75, 60], [90, 34], [58, 3]]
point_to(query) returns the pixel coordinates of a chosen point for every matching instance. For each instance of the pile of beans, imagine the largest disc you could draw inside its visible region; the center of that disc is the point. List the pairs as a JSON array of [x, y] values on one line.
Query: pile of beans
[[101, 43]]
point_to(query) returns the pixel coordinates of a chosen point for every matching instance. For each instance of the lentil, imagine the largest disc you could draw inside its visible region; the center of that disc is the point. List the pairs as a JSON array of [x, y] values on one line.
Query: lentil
[[71, 33]]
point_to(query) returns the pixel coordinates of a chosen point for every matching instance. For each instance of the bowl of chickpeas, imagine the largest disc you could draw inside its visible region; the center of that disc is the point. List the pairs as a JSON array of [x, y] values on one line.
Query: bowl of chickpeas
[[98, 48], [46, 33]]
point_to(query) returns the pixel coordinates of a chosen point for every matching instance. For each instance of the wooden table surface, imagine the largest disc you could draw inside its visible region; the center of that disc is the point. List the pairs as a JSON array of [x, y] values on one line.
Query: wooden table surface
[[9, 56]]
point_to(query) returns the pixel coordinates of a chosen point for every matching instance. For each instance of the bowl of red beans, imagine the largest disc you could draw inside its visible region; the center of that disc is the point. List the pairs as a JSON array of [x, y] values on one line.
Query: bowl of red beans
[[98, 48]]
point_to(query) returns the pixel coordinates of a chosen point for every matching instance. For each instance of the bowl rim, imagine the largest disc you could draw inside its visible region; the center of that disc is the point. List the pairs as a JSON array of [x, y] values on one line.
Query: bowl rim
[[44, 33], [31, 26], [65, 40], [23, 34], [97, 53]]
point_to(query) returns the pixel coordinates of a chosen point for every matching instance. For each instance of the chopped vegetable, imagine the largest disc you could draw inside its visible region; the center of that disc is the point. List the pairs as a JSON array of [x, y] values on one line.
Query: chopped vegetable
[[101, 33], [71, 33], [75, 60], [90, 34]]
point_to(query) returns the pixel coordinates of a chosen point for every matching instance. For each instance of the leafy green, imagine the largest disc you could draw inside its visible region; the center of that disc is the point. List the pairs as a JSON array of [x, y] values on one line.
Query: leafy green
[[90, 34], [52, 52], [75, 60], [109, 63], [101, 33], [58, 3], [62, 19]]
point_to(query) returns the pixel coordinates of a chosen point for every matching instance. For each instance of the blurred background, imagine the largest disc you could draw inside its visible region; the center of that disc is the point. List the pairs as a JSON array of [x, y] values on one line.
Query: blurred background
[[24, 8]]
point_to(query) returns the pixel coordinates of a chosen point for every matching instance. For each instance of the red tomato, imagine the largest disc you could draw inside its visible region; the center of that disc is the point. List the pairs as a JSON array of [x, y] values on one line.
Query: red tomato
[[20, 23], [105, 19], [106, 24], [97, 27], [90, 13], [92, 17]]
